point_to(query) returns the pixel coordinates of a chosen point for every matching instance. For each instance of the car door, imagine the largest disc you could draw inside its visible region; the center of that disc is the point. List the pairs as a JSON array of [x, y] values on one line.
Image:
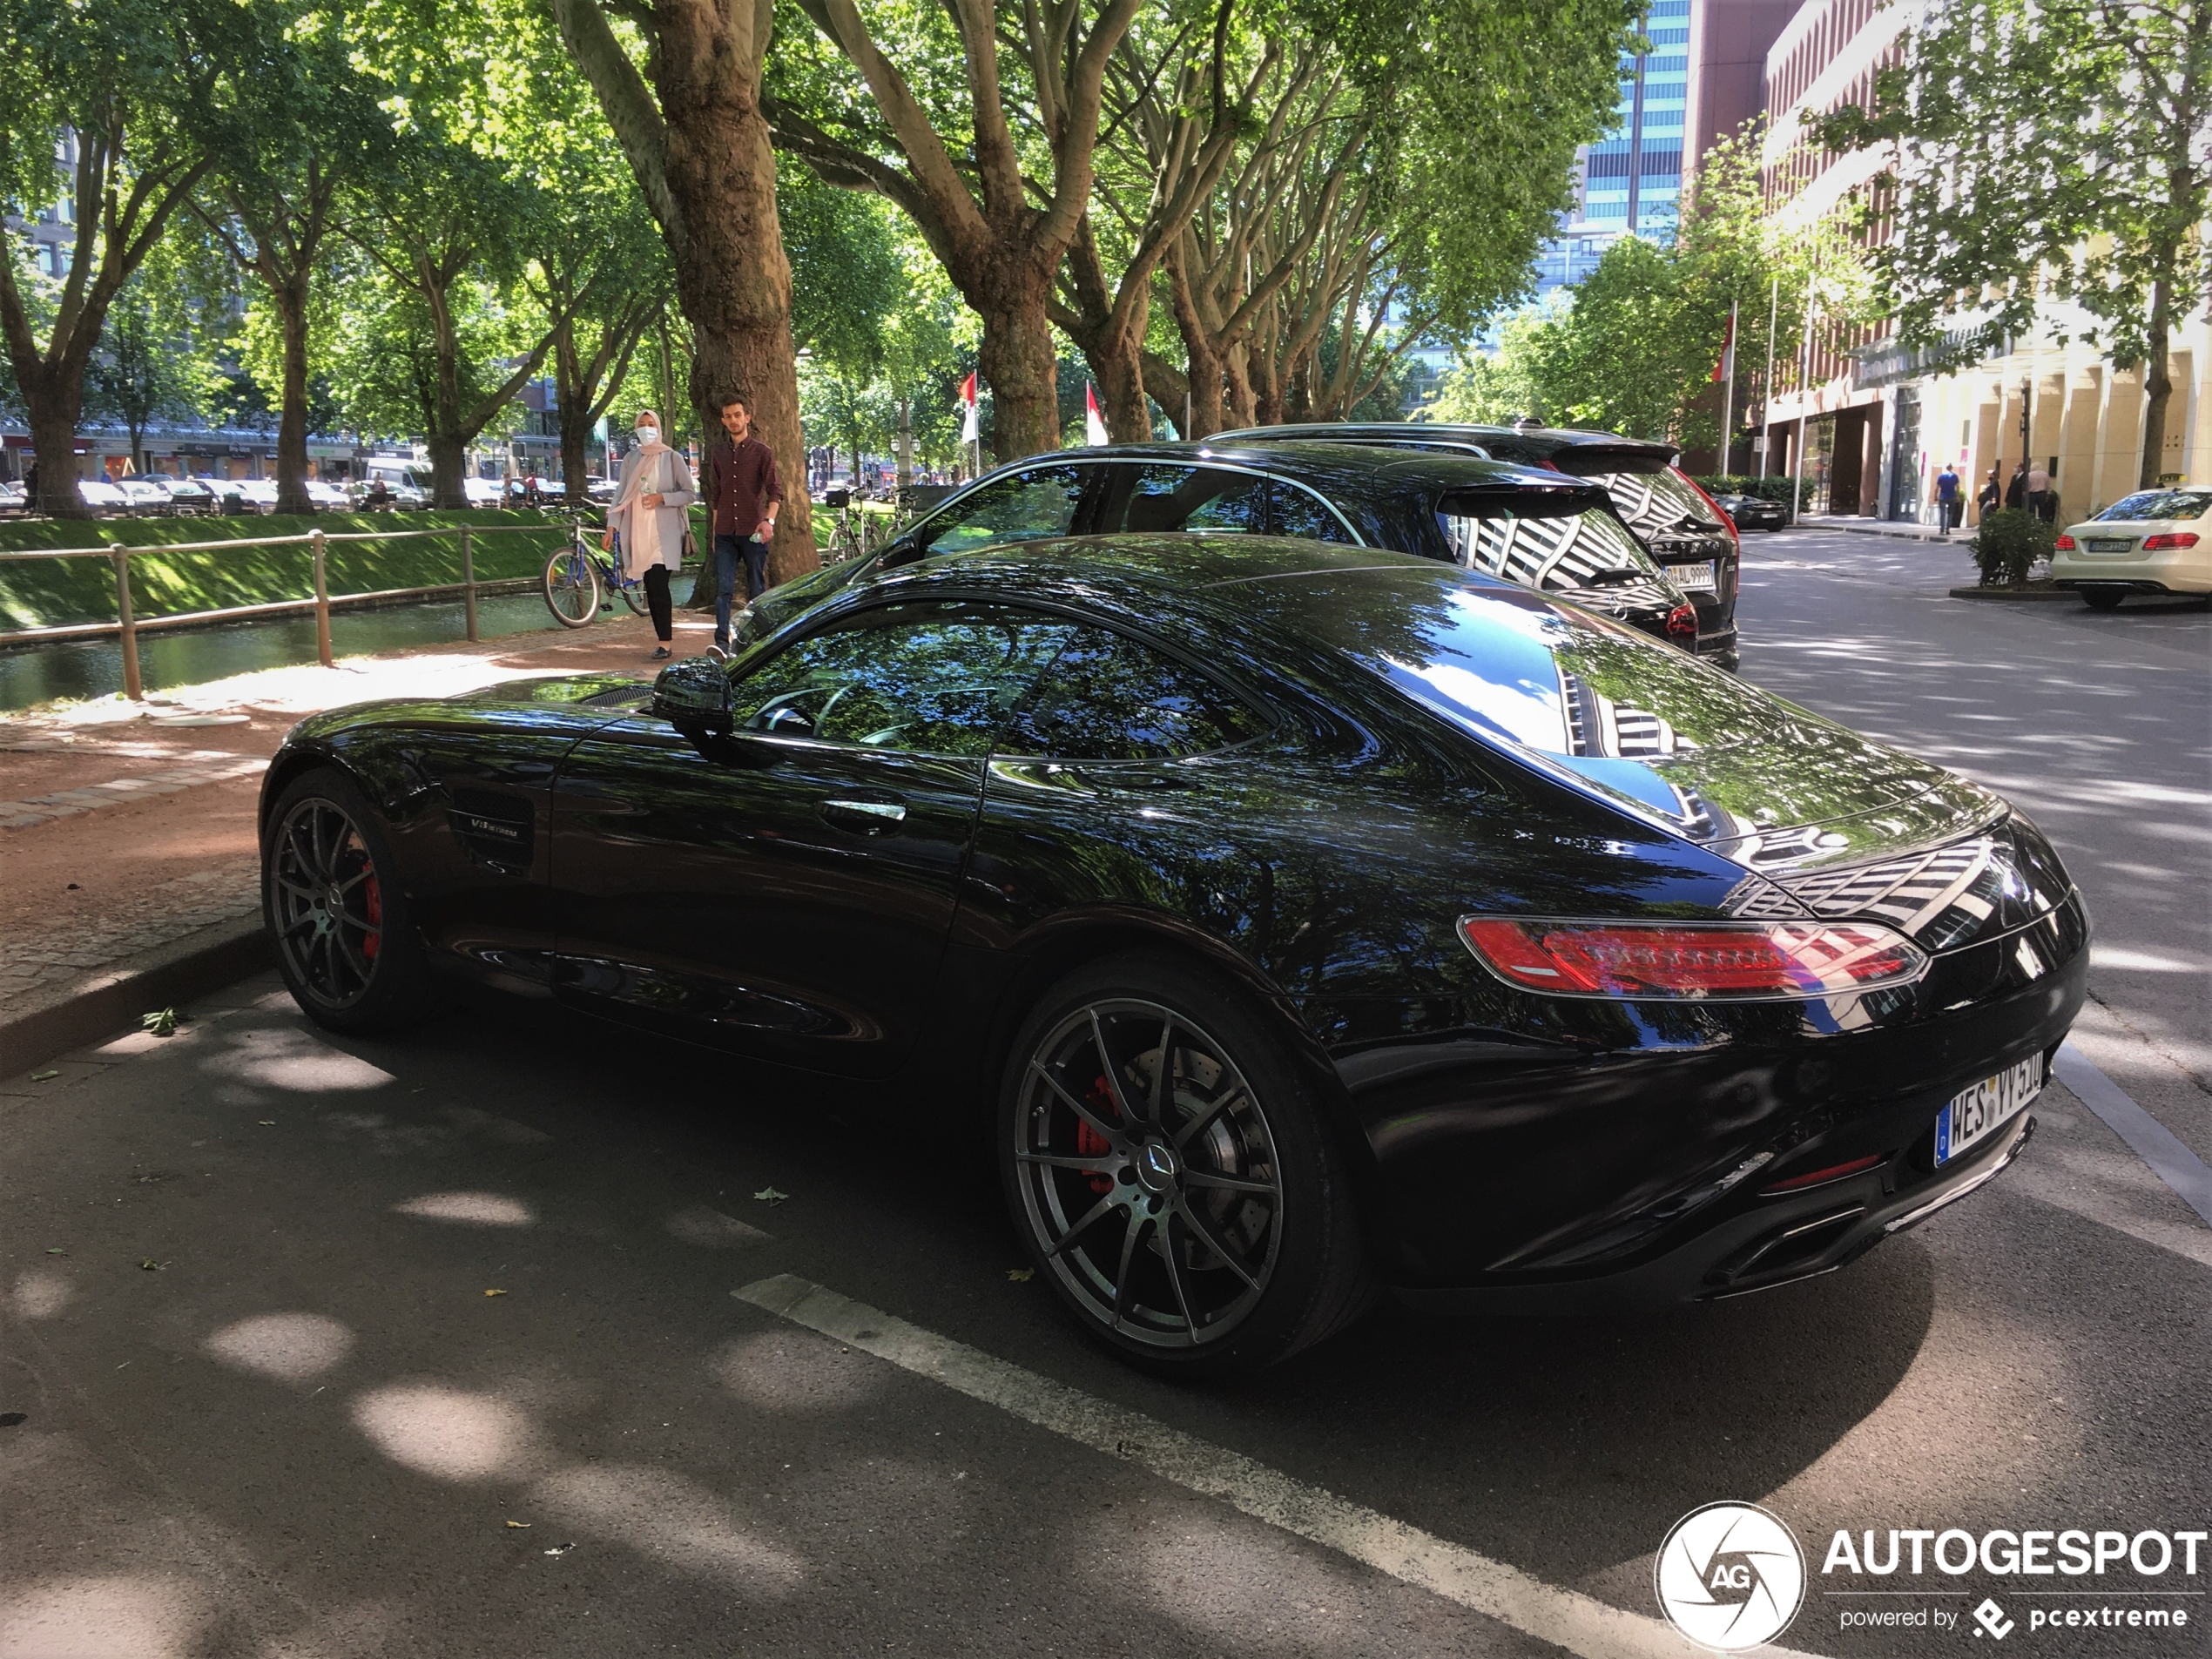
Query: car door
[[786, 890]]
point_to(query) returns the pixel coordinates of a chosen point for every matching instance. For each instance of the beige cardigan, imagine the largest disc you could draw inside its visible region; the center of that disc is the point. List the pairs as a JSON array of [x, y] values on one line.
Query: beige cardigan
[[656, 536]]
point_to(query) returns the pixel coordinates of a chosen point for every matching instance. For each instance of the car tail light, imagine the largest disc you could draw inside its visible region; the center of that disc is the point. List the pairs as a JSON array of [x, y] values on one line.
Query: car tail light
[[2065, 545], [2177, 539], [1692, 961], [1822, 1177], [1719, 512], [1682, 627]]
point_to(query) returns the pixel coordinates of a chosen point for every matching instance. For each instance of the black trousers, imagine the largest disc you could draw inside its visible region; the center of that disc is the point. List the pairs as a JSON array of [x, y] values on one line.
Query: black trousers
[[656, 601]]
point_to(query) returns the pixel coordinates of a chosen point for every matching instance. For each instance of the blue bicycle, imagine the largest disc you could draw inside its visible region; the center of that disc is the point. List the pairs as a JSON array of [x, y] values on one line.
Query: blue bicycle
[[578, 574]]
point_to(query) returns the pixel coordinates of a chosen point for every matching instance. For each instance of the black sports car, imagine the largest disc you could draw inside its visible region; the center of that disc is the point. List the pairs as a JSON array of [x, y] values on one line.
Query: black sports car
[[1754, 512], [1301, 918], [1548, 532], [1670, 514]]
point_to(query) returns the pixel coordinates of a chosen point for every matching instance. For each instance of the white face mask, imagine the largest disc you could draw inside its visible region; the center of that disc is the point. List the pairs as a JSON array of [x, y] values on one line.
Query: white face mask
[[649, 434]]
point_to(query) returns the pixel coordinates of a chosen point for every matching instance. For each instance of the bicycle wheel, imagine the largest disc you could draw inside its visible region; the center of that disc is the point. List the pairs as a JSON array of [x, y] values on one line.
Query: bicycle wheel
[[571, 587], [633, 594]]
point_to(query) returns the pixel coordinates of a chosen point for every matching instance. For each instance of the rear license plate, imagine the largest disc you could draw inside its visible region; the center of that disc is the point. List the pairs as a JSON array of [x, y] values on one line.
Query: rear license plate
[[1692, 576], [2109, 544], [1975, 1113]]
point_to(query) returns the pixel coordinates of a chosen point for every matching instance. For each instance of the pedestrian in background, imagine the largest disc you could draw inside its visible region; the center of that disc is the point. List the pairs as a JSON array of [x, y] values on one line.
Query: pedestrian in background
[[2016, 491], [1990, 495], [743, 492], [1947, 497], [2040, 498], [648, 514]]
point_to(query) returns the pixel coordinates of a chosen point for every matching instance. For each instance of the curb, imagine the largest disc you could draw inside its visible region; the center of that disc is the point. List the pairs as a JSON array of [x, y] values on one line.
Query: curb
[[111, 1001]]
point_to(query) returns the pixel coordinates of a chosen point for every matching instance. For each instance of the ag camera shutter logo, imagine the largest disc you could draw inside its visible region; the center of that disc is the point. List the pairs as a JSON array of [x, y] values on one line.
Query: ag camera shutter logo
[[1729, 1576]]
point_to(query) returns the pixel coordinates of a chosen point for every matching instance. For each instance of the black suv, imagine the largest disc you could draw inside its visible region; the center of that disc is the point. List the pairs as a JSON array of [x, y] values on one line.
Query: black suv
[[1672, 517], [1537, 528]]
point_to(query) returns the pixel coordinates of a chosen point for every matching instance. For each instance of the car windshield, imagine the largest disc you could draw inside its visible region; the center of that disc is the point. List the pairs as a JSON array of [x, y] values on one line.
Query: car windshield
[[2159, 503]]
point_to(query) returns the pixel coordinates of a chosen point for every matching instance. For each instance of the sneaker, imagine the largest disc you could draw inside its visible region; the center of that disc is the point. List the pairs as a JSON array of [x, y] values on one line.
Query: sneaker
[[662, 654], [718, 653]]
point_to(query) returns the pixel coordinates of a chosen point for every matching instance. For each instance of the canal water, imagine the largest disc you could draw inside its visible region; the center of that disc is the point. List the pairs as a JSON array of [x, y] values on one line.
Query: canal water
[[190, 656]]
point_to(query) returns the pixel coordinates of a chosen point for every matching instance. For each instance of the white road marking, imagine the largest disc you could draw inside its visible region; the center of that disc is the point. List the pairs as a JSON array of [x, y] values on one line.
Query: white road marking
[[1568, 1619], [2155, 1144]]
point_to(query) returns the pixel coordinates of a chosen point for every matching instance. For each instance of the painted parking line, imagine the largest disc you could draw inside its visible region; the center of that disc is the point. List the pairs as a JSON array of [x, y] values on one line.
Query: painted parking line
[[1568, 1619], [2155, 1144]]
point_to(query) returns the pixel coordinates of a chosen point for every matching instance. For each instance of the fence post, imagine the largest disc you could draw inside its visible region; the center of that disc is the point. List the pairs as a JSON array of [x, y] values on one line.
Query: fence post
[[468, 580], [322, 602], [133, 687]]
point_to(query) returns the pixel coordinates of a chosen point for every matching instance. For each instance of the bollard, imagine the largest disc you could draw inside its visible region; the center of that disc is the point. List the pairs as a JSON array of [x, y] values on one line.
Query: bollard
[[469, 581], [133, 687], [322, 604]]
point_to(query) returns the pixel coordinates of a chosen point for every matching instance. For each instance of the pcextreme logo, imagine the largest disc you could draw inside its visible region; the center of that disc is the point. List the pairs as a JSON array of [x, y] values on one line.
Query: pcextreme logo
[[1729, 1576]]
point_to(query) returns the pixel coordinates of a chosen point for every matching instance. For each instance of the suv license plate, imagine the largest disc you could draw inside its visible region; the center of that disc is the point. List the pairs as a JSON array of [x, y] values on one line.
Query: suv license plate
[[2109, 545], [1975, 1113], [1698, 578]]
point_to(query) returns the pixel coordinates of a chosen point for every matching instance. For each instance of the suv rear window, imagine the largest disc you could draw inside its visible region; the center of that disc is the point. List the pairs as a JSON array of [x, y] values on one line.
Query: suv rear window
[[1658, 502], [1548, 544]]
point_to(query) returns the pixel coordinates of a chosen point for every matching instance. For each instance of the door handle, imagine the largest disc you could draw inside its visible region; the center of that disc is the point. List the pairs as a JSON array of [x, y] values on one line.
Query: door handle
[[871, 816]]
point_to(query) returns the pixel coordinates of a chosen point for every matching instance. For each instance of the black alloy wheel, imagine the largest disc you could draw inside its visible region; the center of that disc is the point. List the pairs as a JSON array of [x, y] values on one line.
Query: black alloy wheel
[[344, 942], [1171, 1175]]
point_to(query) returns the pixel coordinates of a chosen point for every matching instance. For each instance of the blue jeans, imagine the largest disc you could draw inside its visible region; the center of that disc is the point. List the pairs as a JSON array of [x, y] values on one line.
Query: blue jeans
[[726, 551]]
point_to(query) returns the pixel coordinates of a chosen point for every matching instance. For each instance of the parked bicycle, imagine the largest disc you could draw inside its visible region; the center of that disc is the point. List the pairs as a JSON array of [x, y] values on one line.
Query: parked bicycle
[[579, 576], [854, 535]]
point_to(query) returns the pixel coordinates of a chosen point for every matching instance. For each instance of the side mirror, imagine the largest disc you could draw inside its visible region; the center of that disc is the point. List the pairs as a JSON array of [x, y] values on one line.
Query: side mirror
[[903, 551], [694, 695]]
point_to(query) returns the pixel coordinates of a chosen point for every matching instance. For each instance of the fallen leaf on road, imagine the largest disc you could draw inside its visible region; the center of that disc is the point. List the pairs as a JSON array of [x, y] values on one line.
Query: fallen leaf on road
[[1021, 1275], [560, 1549], [162, 1022], [41, 1076], [495, 1293], [266, 1123], [150, 1266], [520, 1525], [56, 1250], [770, 1196]]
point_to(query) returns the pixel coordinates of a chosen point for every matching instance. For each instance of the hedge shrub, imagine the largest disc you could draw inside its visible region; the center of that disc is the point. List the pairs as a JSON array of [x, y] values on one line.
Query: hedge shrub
[[2008, 544]]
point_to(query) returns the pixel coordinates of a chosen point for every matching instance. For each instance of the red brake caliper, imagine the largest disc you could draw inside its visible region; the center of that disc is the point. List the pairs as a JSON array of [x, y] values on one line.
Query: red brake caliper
[[1089, 1142], [374, 903]]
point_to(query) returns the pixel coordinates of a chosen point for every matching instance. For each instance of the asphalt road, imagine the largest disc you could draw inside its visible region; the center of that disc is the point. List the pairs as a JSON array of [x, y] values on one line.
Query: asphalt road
[[267, 1407]]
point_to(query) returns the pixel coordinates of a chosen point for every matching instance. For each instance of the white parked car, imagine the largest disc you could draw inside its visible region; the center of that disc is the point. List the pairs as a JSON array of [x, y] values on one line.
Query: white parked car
[[144, 495], [260, 495], [485, 492], [102, 496], [328, 497], [2156, 541]]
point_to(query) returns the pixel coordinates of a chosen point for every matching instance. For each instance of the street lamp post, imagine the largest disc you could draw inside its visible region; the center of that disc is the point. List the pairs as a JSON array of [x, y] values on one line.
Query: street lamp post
[[2027, 388], [1766, 386]]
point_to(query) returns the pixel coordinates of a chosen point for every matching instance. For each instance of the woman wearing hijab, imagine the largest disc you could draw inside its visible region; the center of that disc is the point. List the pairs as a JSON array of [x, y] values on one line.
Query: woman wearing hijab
[[648, 514]]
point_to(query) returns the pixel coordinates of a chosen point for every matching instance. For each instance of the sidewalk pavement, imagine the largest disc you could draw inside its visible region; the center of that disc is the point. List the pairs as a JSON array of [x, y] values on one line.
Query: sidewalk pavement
[[128, 830], [1860, 526]]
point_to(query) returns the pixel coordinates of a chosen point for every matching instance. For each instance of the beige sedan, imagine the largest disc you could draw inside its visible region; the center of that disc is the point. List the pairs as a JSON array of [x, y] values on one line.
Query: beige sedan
[[2156, 541]]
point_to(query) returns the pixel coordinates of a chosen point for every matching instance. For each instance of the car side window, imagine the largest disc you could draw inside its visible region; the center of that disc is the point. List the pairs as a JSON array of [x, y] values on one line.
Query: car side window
[[1199, 500], [1301, 513], [1109, 697], [1028, 507], [932, 678]]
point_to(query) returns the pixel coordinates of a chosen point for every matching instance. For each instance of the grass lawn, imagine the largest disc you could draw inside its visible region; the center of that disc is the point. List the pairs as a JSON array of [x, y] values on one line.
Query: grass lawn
[[44, 593]]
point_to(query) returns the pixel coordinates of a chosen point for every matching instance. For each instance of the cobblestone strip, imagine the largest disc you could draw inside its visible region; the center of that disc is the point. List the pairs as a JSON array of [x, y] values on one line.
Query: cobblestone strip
[[65, 803], [34, 971]]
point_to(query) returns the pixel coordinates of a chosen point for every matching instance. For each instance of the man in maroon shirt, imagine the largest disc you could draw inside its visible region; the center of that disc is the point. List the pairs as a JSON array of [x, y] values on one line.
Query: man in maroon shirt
[[743, 492]]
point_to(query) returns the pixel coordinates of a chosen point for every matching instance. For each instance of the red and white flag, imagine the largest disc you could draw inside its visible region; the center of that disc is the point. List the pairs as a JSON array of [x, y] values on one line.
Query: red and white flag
[[1723, 370], [971, 428], [1094, 423]]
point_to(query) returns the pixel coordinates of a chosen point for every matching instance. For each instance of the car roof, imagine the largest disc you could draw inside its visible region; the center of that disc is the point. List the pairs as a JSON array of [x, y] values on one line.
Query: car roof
[[1537, 442], [1323, 464], [1221, 578]]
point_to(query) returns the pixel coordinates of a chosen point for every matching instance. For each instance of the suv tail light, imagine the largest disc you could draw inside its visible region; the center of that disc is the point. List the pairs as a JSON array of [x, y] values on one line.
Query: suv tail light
[[1752, 961], [1719, 512], [1682, 626], [2177, 539]]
